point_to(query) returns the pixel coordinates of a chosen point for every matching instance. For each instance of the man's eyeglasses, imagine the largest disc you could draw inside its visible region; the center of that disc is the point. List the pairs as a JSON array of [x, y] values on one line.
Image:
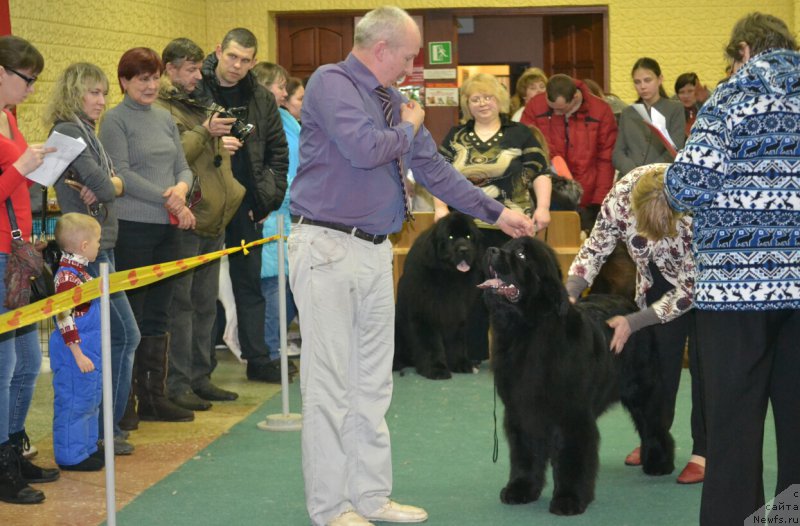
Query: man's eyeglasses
[[477, 99], [28, 80]]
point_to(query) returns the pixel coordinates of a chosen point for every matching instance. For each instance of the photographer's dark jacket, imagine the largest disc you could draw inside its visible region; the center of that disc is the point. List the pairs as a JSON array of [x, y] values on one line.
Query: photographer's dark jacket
[[222, 194], [266, 147]]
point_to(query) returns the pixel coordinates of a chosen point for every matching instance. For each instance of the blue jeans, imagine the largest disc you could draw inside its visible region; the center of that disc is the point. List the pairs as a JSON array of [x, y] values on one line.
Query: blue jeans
[[272, 322], [124, 340], [20, 362]]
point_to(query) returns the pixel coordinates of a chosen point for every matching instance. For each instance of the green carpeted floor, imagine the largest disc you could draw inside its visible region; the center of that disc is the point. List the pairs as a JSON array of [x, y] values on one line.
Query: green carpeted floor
[[442, 435]]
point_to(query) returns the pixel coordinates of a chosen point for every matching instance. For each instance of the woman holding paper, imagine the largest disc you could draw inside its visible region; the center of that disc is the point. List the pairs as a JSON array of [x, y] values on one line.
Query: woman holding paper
[[144, 144], [20, 356], [637, 143], [89, 186]]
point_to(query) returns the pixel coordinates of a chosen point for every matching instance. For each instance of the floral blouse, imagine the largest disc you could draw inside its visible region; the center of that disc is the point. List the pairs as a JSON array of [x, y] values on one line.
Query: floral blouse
[[672, 256]]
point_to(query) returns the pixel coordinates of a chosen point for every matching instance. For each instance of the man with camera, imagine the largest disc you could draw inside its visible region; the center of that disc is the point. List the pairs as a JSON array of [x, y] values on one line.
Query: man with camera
[[260, 165], [214, 199]]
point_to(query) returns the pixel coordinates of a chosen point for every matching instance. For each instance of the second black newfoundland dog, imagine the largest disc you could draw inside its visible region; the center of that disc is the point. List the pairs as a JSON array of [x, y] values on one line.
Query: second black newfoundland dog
[[555, 375], [435, 294]]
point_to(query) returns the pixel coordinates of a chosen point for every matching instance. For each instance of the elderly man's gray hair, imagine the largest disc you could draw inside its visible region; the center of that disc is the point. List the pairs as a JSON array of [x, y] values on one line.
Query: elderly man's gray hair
[[384, 23]]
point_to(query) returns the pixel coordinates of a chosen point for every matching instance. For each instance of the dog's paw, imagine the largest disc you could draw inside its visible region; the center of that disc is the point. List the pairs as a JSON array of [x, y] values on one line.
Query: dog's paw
[[660, 467], [567, 505], [437, 374], [519, 492], [463, 366], [655, 461]]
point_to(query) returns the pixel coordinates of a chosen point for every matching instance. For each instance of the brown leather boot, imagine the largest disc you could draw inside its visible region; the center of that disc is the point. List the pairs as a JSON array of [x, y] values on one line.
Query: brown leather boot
[[130, 420], [151, 379]]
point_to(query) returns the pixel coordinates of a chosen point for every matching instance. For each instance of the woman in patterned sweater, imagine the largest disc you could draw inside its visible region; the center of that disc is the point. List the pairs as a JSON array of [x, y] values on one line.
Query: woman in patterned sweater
[[659, 241]]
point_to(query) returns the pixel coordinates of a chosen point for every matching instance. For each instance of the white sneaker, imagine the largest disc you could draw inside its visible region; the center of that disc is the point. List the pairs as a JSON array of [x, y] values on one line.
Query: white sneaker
[[29, 450], [394, 512], [350, 518], [292, 350]]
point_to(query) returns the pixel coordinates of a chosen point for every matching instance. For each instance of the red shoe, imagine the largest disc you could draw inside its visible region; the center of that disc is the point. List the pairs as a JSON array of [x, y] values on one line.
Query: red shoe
[[634, 458], [692, 474]]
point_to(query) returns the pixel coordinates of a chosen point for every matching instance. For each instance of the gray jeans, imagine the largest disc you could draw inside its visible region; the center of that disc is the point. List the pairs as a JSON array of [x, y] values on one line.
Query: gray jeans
[[194, 308], [344, 293]]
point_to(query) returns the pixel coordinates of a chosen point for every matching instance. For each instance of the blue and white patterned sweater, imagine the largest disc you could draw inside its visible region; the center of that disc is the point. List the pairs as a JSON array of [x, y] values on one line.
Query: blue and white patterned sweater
[[739, 174]]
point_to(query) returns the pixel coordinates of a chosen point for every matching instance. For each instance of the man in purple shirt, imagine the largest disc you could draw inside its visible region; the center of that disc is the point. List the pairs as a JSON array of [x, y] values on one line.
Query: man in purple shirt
[[347, 196]]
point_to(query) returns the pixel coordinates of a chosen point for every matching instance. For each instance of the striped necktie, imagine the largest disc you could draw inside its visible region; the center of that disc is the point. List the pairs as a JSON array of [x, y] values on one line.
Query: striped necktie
[[386, 104]]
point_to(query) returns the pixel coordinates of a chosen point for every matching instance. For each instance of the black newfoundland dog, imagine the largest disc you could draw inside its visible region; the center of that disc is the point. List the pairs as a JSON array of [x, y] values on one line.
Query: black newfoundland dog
[[555, 374], [438, 287]]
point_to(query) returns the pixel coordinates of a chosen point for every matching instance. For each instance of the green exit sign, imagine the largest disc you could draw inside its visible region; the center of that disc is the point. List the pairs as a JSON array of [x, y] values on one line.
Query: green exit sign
[[440, 52]]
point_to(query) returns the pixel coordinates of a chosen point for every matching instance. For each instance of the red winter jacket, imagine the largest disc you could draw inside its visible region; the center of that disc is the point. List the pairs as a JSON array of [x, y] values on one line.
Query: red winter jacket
[[586, 142]]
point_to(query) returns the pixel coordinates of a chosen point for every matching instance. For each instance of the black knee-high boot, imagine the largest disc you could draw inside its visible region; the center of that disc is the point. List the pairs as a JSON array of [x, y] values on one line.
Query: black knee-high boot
[[151, 379]]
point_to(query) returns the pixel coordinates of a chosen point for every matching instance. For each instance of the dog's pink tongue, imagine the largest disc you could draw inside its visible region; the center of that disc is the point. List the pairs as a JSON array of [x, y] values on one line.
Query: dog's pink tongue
[[463, 266], [491, 284]]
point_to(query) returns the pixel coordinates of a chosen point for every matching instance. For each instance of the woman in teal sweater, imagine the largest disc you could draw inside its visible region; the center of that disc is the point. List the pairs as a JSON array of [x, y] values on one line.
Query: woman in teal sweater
[[290, 115]]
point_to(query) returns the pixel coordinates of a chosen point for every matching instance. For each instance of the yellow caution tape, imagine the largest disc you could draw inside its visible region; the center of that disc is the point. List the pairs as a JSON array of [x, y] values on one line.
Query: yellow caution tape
[[118, 281]]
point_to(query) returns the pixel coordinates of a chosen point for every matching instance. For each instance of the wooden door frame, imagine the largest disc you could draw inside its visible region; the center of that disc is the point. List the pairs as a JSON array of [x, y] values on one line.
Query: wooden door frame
[[489, 11], [550, 11]]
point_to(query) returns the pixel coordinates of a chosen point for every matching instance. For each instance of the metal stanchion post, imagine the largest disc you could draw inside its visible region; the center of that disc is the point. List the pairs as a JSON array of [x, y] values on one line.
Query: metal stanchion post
[[284, 421], [108, 408]]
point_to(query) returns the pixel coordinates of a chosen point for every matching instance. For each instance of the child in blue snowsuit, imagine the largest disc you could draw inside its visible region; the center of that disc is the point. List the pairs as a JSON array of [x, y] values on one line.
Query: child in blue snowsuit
[[75, 351]]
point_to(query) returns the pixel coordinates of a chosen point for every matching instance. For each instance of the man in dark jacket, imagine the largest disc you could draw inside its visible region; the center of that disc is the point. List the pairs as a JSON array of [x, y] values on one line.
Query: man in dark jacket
[[260, 166], [580, 128], [207, 144]]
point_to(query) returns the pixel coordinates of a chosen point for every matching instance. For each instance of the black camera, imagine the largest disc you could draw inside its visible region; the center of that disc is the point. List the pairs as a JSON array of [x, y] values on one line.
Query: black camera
[[239, 129]]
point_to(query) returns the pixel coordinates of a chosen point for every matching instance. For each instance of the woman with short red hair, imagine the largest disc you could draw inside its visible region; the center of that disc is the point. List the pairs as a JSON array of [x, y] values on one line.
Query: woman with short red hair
[[145, 147]]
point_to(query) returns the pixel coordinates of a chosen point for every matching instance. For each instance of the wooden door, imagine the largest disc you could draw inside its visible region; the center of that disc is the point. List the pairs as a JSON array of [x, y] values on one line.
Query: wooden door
[[309, 41], [575, 45]]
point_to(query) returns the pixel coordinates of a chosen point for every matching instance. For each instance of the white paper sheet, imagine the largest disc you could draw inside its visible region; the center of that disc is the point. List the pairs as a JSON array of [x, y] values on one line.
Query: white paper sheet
[[657, 119], [67, 149]]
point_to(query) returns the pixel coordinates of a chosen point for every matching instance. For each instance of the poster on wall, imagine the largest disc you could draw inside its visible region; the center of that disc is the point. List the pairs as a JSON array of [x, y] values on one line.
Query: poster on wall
[[441, 95]]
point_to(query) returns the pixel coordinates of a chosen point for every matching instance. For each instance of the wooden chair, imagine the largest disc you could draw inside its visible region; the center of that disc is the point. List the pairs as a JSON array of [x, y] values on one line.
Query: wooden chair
[[564, 236], [402, 241]]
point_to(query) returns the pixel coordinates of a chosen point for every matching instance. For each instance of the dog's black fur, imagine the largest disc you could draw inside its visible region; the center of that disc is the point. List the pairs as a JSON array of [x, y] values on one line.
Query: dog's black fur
[[435, 294], [555, 374]]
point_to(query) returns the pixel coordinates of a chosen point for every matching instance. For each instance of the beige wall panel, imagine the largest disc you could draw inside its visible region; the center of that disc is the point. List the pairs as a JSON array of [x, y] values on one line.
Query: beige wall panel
[[67, 31], [683, 35]]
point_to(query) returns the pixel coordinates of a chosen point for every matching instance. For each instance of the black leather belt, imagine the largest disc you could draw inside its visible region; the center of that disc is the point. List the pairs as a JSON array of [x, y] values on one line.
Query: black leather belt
[[357, 232]]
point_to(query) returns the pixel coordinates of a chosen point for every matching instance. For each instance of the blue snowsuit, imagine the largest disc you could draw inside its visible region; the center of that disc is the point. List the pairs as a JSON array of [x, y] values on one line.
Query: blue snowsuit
[[76, 395]]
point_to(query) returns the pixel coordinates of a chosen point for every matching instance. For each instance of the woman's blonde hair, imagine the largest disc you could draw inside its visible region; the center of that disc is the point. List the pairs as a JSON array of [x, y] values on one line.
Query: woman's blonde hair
[[655, 219], [267, 73], [483, 83], [66, 100], [73, 228], [528, 77]]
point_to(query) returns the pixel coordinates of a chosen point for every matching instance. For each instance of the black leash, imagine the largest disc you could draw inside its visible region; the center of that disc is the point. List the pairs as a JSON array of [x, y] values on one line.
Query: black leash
[[496, 448]]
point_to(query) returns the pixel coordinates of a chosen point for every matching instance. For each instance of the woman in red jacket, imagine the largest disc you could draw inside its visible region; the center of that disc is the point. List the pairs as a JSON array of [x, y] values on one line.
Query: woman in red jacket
[[20, 357]]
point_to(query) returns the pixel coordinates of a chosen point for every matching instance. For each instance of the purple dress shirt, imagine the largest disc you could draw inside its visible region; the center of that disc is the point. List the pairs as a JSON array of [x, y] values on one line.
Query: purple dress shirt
[[347, 171]]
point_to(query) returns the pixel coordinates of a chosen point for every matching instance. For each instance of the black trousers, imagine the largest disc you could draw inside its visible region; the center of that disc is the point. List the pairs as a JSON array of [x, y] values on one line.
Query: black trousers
[[142, 244], [245, 272], [749, 359], [670, 340]]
